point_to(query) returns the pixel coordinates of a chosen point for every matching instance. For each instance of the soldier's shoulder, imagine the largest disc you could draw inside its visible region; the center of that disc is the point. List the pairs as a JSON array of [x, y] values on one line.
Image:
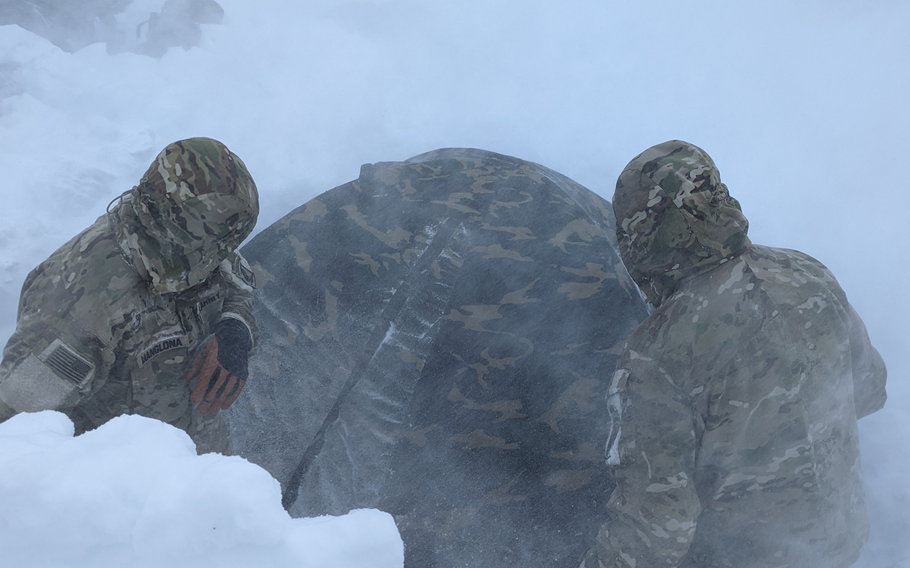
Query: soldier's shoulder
[[237, 270], [86, 271], [797, 268], [786, 259], [793, 279]]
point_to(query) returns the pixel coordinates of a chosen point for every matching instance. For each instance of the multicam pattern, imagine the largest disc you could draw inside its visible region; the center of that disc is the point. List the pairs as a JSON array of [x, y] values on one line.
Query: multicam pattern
[[736, 401], [191, 209], [684, 218], [95, 339], [436, 337]]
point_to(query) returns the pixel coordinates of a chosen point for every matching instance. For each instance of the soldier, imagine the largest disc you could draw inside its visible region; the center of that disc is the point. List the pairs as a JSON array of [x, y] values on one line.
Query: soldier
[[110, 323], [734, 405]]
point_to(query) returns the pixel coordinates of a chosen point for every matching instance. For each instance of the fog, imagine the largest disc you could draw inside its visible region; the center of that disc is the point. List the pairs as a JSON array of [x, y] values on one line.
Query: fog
[[801, 105]]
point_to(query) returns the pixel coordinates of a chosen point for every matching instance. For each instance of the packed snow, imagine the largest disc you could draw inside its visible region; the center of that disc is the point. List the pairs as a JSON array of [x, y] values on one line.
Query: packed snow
[[802, 105], [134, 493]]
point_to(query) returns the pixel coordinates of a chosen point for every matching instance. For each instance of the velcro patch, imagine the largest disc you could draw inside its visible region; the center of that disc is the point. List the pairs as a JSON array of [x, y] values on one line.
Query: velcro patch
[[243, 270], [166, 344], [66, 363]]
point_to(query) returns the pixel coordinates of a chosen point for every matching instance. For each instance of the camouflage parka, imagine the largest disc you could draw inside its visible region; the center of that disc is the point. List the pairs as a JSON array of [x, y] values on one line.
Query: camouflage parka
[[108, 324], [734, 405]]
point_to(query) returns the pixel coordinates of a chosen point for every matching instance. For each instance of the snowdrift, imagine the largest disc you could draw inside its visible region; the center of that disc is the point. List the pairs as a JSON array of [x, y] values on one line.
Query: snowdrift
[[134, 493]]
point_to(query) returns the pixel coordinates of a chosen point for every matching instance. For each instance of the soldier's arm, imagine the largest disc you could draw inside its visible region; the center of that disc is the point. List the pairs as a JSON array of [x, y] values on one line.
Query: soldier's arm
[[45, 370], [653, 512], [50, 362], [238, 303], [220, 370], [869, 373]]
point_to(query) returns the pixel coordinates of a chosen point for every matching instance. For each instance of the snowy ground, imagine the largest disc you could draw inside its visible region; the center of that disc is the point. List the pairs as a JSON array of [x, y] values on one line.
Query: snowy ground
[[802, 105], [134, 493]]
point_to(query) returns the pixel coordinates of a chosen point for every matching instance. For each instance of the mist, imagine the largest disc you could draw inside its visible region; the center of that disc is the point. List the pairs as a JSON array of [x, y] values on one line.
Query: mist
[[801, 105]]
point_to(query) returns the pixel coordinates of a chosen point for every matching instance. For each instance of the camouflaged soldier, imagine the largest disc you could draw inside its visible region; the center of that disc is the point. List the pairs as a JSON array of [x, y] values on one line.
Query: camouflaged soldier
[[149, 310], [735, 403]]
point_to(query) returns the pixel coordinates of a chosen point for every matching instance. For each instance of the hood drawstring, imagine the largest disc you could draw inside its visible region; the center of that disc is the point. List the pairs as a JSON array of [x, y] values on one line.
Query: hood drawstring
[[115, 226]]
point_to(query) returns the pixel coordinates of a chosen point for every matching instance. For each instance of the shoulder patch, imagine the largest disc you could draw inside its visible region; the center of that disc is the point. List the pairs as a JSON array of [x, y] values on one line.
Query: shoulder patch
[[67, 364], [243, 271], [160, 346]]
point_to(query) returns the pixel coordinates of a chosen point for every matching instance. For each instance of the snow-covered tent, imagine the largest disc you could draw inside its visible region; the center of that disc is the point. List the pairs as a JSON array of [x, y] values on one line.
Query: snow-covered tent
[[436, 341]]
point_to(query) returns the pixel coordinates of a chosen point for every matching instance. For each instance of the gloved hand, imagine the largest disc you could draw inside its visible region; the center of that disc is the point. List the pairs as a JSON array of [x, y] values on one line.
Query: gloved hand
[[220, 368]]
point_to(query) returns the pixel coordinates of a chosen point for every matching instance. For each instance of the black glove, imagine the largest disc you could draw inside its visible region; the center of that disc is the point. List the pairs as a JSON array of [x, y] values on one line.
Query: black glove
[[220, 368], [234, 344]]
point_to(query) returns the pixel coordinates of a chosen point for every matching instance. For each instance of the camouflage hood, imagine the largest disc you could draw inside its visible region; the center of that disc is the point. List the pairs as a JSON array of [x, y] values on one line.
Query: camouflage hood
[[674, 217], [195, 205]]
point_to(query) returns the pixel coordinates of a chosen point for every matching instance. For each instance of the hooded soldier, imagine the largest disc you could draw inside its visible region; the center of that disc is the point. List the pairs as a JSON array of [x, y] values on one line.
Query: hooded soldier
[[149, 310], [734, 405]]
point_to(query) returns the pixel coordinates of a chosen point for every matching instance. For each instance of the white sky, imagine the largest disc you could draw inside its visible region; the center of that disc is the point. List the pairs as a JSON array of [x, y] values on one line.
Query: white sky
[[803, 106]]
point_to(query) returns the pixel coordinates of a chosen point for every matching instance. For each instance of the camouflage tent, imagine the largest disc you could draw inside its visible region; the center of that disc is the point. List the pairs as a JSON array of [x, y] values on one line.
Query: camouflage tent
[[435, 340]]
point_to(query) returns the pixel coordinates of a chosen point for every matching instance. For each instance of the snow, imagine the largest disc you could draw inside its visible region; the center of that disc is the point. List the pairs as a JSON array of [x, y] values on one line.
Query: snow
[[801, 105], [134, 493]]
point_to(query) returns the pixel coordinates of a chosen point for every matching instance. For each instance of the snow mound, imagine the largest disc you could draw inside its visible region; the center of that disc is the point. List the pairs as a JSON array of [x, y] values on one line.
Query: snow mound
[[134, 493]]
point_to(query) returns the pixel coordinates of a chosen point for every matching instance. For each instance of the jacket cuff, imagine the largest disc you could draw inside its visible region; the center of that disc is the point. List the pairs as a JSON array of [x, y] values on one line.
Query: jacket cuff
[[241, 319]]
